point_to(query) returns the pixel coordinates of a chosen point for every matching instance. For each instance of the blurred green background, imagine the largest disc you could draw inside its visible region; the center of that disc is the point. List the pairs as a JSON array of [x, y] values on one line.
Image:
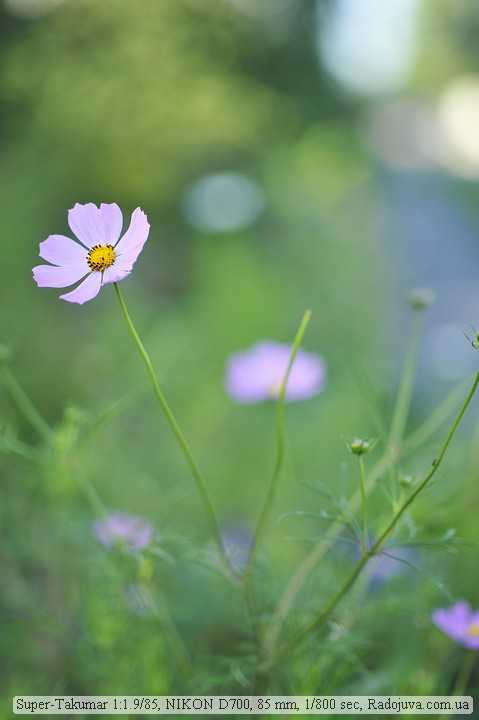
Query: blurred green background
[[289, 154]]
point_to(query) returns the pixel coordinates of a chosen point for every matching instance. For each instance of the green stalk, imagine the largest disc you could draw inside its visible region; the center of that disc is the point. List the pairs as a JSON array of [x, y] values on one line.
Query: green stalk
[[417, 438], [16, 447], [92, 495], [314, 557], [280, 445], [439, 415], [403, 402], [177, 432], [273, 486], [25, 405], [393, 450], [31, 414], [364, 517], [162, 611], [465, 674], [337, 598]]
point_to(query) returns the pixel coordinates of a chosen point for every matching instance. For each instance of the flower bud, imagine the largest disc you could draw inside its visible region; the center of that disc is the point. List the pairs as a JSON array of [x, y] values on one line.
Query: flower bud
[[360, 447], [421, 298], [406, 481]]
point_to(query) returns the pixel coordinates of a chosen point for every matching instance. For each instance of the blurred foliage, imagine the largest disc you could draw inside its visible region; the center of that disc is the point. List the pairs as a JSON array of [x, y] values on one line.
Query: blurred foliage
[[106, 100]]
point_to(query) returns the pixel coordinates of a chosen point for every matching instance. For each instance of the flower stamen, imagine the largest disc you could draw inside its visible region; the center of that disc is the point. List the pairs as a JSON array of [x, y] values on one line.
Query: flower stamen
[[275, 388], [473, 629], [101, 257]]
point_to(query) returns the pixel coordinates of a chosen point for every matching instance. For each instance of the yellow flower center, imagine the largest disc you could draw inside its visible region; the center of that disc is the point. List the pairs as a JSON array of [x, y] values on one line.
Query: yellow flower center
[[274, 388], [473, 629], [101, 257]]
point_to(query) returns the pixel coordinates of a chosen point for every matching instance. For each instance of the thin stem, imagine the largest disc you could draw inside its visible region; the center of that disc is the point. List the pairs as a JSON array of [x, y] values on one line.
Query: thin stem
[[280, 446], [393, 450], [364, 518], [163, 613], [463, 677], [465, 673], [177, 432], [155, 601], [439, 415], [315, 556], [336, 599], [435, 465], [403, 402], [273, 486], [31, 414], [92, 495], [16, 447], [25, 405]]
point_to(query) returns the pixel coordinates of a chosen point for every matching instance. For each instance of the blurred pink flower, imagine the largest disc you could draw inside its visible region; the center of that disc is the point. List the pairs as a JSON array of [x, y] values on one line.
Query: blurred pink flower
[[256, 374], [102, 257], [460, 623], [129, 531]]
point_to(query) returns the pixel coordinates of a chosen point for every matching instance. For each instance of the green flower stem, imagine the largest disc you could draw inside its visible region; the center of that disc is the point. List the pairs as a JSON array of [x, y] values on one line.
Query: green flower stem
[[25, 405], [403, 402], [182, 442], [273, 486], [464, 675], [16, 447], [364, 517], [29, 411], [92, 495], [280, 446], [392, 452], [314, 557], [436, 419], [155, 599], [337, 598], [163, 614]]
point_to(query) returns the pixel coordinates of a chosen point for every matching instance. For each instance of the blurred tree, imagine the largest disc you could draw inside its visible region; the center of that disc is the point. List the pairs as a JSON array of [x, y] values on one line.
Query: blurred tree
[[133, 94]]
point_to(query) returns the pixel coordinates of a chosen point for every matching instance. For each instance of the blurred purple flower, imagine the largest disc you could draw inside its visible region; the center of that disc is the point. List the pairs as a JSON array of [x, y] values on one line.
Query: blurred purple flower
[[129, 531], [460, 623], [237, 544], [385, 566], [256, 374], [102, 257]]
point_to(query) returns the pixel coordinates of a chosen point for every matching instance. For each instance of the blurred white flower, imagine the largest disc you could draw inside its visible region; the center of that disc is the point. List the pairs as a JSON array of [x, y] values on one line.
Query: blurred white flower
[[458, 115], [368, 45], [224, 202]]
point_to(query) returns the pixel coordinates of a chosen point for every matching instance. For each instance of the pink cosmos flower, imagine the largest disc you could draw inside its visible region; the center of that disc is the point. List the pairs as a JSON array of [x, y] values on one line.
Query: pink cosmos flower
[[129, 531], [460, 623], [257, 373], [102, 257]]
